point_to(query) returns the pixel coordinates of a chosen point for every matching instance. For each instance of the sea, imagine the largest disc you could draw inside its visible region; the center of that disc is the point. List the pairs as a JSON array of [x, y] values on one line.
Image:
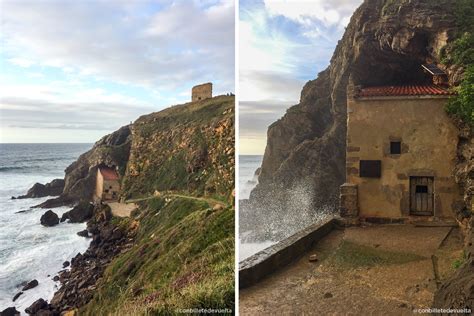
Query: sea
[[27, 249], [248, 164]]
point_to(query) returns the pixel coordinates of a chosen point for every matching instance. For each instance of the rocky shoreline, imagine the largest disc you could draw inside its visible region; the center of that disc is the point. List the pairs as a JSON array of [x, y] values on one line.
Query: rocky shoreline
[[79, 282]]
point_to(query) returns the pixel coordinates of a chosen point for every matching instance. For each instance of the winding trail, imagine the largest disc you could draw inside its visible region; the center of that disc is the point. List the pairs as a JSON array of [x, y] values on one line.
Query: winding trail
[[211, 201]]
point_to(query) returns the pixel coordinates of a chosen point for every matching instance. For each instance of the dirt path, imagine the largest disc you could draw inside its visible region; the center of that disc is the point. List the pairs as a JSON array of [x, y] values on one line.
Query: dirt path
[[122, 209], [211, 201], [361, 271]]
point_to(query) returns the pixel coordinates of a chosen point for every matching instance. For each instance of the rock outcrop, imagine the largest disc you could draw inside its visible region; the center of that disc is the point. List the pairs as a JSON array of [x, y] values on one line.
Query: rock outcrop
[[80, 213], [79, 181], [53, 188], [10, 311], [30, 285], [49, 219], [385, 43], [458, 290], [79, 283], [188, 147], [200, 160]]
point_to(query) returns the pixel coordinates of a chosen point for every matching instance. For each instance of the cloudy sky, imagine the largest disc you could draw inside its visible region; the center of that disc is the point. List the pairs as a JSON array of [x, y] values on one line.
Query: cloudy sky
[[72, 71], [283, 44]]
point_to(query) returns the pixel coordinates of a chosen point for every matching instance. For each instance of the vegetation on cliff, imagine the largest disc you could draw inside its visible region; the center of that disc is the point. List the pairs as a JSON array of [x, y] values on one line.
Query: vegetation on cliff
[[187, 148], [460, 52], [176, 250], [183, 257]]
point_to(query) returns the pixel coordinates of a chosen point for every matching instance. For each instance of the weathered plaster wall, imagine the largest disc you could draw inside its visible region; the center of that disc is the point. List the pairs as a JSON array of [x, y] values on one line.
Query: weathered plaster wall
[[428, 140], [201, 92], [102, 185], [112, 186], [99, 185]]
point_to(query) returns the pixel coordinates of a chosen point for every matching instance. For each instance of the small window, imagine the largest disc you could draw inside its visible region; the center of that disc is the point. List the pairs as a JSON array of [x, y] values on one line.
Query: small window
[[106, 191], [395, 148], [110, 187], [421, 189], [370, 168]]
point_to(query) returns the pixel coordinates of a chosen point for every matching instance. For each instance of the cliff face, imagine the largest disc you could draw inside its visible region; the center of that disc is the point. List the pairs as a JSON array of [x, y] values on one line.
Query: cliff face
[[187, 147], [176, 249], [385, 43], [112, 150], [184, 148]]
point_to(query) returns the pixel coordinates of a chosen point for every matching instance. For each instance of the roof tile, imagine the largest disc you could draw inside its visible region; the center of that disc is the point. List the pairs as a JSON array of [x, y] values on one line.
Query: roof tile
[[412, 90]]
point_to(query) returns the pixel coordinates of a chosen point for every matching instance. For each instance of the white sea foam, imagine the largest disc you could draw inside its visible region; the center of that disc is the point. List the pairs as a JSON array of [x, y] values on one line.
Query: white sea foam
[[27, 249]]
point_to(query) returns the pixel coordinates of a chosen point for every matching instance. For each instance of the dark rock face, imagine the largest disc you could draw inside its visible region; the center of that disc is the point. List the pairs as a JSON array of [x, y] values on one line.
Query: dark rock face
[[78, 284], [111, 150], [83, 233], [10, 311], [458, 290], [385, 43], [49, 219], [80, 213], [30, 285], [54, 188], [17, 295], [36, 306], [79, 182]]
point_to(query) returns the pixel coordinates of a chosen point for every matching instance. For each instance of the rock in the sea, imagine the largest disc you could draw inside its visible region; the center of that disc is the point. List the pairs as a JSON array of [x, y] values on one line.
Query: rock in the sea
[[83, 233], [36, 306], [30, 285], [17, 295], [80, 213], [49, 219], [53, 188], [56, 278], [66, 264], [10, 311]]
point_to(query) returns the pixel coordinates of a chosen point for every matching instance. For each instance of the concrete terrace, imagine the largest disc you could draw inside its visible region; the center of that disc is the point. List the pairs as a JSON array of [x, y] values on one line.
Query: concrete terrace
[[371, 270]]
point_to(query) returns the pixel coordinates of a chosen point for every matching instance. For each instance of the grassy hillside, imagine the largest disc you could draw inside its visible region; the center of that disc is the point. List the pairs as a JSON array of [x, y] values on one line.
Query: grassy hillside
[[183, 258], [187, 148], [183, 250]]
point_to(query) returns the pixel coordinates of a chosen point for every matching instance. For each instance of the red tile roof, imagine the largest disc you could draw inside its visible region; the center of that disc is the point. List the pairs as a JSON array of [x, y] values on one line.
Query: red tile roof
[[108, 173], [403, 91]]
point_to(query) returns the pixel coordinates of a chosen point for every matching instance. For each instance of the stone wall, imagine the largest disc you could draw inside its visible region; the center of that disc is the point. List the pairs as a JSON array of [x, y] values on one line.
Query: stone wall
[[428, 149], [201, 92], [273, 258]]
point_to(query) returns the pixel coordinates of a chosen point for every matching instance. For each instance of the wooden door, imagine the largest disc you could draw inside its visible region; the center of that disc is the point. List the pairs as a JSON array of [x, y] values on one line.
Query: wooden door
[[421, 196]]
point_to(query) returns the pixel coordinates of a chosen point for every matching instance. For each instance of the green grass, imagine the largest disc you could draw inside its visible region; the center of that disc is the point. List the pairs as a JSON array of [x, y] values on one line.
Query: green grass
[[353, 255], [460, 261], [183, 257]]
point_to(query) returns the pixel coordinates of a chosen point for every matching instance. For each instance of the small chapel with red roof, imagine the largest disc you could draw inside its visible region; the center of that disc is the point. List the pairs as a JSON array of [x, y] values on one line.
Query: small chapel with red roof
[[400, 152]]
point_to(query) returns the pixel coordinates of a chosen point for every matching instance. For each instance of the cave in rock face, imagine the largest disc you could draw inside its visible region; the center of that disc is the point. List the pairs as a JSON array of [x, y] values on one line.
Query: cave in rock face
[[390, 69]]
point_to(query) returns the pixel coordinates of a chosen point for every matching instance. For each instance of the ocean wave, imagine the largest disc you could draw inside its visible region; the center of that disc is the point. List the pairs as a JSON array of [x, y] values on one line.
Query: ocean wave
[[12, 168]]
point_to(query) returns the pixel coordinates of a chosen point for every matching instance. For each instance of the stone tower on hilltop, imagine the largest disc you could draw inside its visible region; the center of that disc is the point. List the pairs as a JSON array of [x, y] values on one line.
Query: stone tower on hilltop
[[201, 92]]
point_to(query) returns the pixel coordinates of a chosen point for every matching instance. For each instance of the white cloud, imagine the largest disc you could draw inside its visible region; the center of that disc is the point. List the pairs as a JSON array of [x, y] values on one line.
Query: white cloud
[[305, 12], [122, 41], [22, 62]]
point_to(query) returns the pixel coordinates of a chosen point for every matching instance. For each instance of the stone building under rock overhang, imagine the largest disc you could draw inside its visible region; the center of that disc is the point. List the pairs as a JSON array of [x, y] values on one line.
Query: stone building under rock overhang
[[400, 154], [107, 186]]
